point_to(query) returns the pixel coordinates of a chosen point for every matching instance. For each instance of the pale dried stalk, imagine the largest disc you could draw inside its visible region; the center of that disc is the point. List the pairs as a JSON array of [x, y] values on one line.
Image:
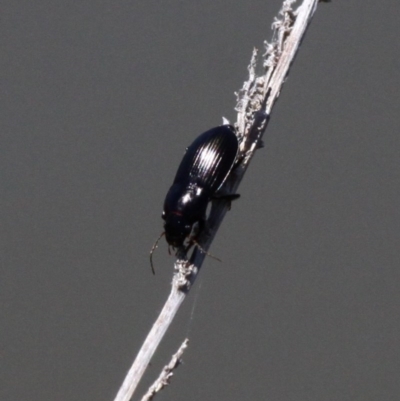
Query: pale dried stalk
[[167, 373], [255, 102]]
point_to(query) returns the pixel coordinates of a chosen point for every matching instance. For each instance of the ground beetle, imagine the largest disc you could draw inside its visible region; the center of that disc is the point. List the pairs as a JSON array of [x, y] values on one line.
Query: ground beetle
[[202, 172]]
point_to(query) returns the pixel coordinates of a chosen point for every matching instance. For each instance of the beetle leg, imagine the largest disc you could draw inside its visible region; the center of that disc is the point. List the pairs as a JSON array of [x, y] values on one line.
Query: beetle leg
[[202, 250], [228, 197]]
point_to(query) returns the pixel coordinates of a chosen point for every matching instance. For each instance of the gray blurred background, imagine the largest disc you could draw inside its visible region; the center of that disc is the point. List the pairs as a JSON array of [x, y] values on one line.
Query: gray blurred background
[[98, 101]]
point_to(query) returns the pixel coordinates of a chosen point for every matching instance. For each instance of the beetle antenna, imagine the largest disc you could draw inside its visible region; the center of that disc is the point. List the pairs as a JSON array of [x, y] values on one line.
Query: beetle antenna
[[202, 250], [154, 247]]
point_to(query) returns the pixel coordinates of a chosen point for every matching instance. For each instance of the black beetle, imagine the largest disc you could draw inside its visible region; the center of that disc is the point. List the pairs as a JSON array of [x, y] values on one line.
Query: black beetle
[[202, 172]]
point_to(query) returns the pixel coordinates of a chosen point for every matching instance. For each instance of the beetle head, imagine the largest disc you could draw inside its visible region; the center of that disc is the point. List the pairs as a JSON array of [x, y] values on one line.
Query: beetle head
[[177, 228]]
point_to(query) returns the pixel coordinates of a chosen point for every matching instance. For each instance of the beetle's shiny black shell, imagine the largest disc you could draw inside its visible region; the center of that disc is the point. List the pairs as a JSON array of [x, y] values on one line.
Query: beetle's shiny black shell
[[203, 169], [209, 159]]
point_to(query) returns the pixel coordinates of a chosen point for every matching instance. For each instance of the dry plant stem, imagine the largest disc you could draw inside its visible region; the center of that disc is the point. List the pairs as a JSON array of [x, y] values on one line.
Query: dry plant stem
[[255, 102], [167, 373], [157, 332]]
